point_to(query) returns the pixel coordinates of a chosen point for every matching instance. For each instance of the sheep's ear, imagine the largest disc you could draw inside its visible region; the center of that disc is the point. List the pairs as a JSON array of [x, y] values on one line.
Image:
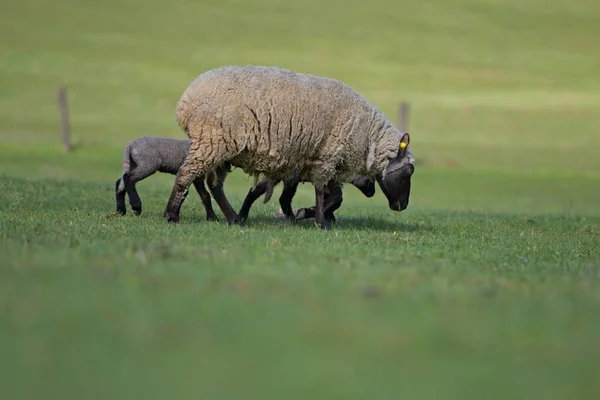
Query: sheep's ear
[[404, 142]]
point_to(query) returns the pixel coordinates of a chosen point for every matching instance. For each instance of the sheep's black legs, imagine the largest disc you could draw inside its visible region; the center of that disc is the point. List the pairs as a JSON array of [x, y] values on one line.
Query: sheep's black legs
[[319, 211], [287, 194], [129, 180], [205, 197], [285, 200], [253, 194], [120, 197], [217, 191], [333, 201], [134, 198]]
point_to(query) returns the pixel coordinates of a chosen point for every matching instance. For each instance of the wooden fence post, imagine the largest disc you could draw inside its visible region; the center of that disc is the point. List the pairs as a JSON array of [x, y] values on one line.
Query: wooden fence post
[[403, 117], [64, 119]]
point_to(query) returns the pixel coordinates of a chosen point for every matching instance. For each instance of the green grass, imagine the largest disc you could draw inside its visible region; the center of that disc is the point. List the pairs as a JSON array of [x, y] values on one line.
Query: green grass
[[487, 286]]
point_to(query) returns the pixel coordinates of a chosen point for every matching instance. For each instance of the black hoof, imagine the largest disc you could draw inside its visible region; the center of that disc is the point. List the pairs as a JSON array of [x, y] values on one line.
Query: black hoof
[[136, 210], [121, 211], [323, 226], [171, 218], [212, 218]]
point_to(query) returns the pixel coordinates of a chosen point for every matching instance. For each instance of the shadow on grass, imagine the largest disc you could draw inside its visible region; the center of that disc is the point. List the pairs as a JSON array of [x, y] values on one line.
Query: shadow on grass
[[266, 221], [342, 224]]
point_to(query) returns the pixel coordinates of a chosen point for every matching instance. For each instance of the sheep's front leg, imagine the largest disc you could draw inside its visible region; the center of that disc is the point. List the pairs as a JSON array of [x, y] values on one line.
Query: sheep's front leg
[[319, 207], [287, 194], [184, 178], [205, 197], [334, 201]]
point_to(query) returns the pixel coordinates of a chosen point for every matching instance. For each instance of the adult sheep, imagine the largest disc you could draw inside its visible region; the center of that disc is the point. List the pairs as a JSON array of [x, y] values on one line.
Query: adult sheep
[[275, 121]]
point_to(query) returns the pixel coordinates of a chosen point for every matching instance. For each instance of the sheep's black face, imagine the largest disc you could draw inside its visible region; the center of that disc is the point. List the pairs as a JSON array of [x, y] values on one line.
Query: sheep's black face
[[365, 185], [396, 187], [396, 184]]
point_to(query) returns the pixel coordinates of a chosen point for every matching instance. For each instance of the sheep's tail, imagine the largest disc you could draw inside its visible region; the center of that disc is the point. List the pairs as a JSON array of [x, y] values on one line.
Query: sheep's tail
[[182, 113], [126, 166], [269, 191]]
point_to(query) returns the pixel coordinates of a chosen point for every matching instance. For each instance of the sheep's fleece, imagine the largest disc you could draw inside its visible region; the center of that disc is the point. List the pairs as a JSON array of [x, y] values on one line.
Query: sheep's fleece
[[276, 121]]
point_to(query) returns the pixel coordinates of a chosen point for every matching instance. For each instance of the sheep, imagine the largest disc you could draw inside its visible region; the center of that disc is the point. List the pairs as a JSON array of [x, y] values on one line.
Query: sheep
[[275, 121], [146, 155], [149, 154], [333, 198]]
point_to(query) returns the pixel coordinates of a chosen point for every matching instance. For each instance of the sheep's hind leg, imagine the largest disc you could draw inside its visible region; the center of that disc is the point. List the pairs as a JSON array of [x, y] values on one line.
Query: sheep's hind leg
[[120, 196], [253, 194], [134, 199], [216, 188], [129, 180], [205, 197]]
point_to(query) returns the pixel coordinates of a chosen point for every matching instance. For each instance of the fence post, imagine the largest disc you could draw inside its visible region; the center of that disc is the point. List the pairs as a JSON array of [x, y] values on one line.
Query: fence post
[[64, 119], [403, 117]]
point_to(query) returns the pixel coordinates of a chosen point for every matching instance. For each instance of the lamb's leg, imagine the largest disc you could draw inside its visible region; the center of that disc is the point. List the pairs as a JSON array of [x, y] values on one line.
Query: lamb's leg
[[205, 197], [333, 201], [290, 186], [216, 188], [134, 199], [129, 180], [120, 196], [253, 194], [319, 210]]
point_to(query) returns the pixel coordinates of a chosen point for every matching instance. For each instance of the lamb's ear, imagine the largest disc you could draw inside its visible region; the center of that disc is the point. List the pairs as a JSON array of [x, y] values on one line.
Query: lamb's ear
[[404, 142]]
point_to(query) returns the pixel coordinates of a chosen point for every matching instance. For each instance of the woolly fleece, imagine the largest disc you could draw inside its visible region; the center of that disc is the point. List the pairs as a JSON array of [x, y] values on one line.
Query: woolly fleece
[[276, 121]]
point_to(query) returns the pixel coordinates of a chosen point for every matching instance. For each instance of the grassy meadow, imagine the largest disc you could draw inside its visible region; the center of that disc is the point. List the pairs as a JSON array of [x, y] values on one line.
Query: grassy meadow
[[487, 286]]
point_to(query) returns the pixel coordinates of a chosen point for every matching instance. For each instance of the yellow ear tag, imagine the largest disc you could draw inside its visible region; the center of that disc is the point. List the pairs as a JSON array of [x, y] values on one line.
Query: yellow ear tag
[[403, 145]]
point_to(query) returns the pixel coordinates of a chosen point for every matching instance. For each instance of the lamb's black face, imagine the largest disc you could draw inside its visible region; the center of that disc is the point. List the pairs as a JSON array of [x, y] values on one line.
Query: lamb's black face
[[365, 185], [396, 184]]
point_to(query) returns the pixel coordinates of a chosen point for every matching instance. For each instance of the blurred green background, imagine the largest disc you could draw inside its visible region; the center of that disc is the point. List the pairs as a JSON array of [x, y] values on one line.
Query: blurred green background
[[505, 124]]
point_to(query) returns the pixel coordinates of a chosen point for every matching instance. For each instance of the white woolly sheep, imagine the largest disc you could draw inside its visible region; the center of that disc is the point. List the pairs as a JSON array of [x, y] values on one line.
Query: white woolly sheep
[[274, 121]]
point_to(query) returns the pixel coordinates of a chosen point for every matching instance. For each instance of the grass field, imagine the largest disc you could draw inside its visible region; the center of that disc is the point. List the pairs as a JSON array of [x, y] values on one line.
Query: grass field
[[487, 286]]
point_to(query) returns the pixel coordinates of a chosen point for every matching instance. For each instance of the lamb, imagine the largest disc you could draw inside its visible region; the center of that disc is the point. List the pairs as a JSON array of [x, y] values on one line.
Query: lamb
[[146, 155], [333, 197], [275, 121]]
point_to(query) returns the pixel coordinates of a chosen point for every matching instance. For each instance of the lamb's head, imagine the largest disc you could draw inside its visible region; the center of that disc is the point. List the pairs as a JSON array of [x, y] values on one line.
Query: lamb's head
[[395, 183], [365, 184]]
